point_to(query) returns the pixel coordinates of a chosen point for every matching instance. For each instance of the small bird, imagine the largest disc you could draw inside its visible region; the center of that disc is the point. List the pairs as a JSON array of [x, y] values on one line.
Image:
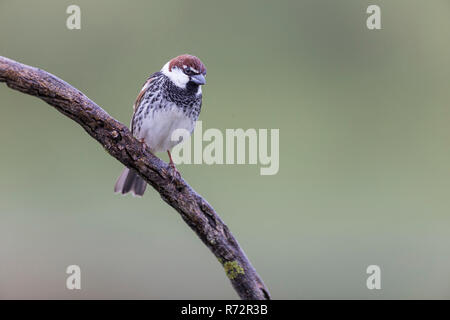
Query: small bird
[[170, 99]]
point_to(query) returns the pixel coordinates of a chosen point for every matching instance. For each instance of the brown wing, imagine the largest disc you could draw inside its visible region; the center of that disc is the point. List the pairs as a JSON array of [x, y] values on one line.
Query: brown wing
[[141, 94], [139, 99]]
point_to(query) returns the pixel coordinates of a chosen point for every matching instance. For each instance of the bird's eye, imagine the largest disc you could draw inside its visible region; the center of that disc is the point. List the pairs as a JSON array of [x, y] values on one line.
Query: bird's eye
[[188, 71]]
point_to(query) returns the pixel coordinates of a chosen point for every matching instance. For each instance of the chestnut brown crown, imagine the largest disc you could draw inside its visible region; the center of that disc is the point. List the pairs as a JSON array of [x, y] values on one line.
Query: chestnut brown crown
[[189, 64]]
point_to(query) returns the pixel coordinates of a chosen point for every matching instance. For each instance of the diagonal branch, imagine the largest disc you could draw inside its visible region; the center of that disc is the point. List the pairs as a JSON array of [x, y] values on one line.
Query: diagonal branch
[[119, 143]]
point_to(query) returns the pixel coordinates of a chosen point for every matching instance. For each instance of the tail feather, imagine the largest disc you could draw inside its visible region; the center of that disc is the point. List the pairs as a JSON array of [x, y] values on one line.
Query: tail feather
[[130, 181]]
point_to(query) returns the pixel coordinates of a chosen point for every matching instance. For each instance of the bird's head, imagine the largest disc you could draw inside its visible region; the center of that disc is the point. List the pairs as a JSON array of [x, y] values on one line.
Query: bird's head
[[184, 70]]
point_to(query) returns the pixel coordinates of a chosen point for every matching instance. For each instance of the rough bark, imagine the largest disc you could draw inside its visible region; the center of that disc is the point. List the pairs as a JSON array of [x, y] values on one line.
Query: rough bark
[[119, 143]]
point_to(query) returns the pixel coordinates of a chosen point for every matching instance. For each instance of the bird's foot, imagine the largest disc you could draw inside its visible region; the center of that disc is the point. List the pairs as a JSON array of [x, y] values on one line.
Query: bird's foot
[[174, 172]]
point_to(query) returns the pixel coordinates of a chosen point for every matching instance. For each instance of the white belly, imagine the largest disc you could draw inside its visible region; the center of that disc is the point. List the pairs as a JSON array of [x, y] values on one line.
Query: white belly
[[159, 125]]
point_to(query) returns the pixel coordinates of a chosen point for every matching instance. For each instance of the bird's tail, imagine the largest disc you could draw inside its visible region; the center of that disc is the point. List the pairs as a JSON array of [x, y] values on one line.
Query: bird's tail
[[128, 181]]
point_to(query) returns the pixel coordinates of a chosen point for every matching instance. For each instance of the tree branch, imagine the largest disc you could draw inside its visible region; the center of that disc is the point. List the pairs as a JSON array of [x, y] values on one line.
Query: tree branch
[[119, 143]]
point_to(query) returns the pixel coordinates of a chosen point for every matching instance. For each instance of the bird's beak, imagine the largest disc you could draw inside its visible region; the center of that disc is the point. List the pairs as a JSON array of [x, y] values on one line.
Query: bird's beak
[[198, 79]]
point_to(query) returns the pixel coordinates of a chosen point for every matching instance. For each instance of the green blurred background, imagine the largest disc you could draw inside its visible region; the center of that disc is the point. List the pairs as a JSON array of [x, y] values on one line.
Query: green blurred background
[[364, 149]]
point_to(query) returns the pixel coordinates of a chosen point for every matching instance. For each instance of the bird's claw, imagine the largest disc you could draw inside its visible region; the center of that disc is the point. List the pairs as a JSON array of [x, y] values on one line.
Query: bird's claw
[[174, 172]]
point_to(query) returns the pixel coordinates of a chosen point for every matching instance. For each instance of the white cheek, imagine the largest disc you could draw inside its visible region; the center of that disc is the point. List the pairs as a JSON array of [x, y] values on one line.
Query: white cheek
[[176, 75]]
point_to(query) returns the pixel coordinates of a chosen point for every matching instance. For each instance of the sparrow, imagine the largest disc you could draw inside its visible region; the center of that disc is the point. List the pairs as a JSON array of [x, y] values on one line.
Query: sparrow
[[170, 99]]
